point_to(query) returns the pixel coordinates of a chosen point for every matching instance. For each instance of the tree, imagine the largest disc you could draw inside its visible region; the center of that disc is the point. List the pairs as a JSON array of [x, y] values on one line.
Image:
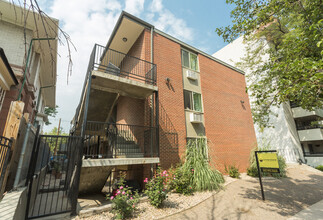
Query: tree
[[52, 112], [284, 52], [54, 131]]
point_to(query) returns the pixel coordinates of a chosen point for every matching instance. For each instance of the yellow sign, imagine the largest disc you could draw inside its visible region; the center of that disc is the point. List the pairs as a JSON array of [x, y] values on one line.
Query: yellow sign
[[268, 160]]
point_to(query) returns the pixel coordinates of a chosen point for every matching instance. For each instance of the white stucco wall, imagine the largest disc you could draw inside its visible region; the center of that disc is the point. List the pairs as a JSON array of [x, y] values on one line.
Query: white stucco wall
[[283, 137], [12, 42]]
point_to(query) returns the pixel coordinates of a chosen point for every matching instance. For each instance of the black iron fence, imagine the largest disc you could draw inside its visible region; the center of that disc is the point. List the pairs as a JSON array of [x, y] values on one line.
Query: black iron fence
[[119, 64], [5, 146], [53, 175], [107, 140]]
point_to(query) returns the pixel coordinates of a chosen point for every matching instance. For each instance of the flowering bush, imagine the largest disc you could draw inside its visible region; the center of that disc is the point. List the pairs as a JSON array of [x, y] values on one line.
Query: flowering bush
[[124, 200], [181, 182], [157, 187]]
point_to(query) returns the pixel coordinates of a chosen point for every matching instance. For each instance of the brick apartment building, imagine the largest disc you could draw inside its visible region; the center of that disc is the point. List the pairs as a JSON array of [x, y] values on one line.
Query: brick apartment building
[[144, 79], [41, 71]]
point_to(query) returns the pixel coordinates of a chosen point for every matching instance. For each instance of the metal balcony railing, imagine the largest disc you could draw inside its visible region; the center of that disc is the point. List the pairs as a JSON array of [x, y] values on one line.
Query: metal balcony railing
[[123, 65], [110, 140], [307, 127]]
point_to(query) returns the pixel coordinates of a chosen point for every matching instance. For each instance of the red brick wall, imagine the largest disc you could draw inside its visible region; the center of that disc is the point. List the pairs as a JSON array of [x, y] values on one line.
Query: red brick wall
[[141, 48], [167, 56], [228, 122], [130, 111], [12, 95]]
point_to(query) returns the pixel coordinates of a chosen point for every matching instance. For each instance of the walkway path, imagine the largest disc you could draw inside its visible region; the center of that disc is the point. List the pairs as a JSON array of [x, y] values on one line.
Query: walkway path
[[242, 199]]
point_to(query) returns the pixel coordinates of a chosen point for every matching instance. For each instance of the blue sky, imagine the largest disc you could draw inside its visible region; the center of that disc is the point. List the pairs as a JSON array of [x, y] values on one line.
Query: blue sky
[[89, 22]]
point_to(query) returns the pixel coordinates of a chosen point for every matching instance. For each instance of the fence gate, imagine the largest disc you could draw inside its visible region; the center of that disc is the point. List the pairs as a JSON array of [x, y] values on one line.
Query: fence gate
[[5, 146], [53, 175]]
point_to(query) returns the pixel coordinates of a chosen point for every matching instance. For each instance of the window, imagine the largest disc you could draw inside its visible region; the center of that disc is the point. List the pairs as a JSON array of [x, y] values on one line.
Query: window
[[192, 101], [189, 60]]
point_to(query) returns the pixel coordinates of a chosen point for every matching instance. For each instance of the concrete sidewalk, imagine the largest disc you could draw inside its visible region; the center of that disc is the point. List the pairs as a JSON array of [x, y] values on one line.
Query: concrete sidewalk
[[313, 212]]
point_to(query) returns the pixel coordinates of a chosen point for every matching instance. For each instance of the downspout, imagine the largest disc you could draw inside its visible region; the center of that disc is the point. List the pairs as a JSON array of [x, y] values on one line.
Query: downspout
[[151, 97], [22, 156]]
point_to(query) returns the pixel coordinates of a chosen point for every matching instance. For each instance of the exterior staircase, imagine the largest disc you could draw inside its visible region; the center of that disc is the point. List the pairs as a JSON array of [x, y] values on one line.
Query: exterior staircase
[[127, 147]]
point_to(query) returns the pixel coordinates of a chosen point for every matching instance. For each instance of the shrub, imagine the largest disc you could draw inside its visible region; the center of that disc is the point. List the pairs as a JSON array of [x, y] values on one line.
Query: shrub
[[124, 200], [181, 182], [320, 167], [156, 188], [253, 170], [197, 160], [232, 171]]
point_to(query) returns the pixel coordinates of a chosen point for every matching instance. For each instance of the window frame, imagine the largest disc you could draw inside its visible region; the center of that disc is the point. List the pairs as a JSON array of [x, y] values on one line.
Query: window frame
[[189, 60], [192, 101]]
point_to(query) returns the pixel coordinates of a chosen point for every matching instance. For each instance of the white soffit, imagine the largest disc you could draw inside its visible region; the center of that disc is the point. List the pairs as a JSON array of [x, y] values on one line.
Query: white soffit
[[128, 29]]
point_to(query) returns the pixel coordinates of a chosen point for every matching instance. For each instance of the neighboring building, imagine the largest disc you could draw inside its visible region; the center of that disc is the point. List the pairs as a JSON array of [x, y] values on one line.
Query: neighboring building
[[142, 73], [42, 63], [7, 77], [295, 135]]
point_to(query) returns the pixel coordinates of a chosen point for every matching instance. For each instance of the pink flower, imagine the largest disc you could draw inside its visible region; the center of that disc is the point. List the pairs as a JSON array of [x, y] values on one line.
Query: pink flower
[[146, 180], [131, 197], [123, 193], [174, 178], [133, 206], [121, 187], [118, 192], [112, 197], [126, 186], [193, 170], [164, 172]]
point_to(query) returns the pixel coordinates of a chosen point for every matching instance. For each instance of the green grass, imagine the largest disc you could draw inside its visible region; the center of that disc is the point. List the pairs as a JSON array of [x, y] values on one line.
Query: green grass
[[320, 167]]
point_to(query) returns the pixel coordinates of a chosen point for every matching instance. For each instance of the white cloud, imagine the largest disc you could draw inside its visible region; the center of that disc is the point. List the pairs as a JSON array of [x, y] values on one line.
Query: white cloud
[[166, 21], [86, 23], [134, 7], [156, 6]]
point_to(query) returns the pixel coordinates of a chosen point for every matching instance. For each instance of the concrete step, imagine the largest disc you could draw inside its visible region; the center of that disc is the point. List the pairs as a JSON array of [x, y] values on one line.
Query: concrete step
[[127, 146], [125, 139], [132, 155], [128, 151]]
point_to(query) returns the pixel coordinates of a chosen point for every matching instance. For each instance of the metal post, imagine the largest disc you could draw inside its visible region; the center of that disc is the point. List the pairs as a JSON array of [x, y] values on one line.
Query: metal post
[[31, 169], [27, 62], [259, 174], [157, 123], [22, 155], [38, 100], [77, 180], [87, 99]]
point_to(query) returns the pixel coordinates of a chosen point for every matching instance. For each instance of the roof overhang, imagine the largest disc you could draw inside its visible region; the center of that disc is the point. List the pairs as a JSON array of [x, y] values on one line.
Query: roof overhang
[[42, 27], [7, 77], [126, 32], [130, 27]]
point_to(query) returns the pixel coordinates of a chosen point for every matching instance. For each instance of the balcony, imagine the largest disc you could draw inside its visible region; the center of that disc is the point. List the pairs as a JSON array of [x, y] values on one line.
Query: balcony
[[313, 133], [112, 74], [299, 112], [118, 72], [124, 140]]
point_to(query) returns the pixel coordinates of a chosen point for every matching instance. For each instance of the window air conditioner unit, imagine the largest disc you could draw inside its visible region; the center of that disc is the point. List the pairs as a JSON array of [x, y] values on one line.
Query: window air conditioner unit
[[196, 118], [191, 74]]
